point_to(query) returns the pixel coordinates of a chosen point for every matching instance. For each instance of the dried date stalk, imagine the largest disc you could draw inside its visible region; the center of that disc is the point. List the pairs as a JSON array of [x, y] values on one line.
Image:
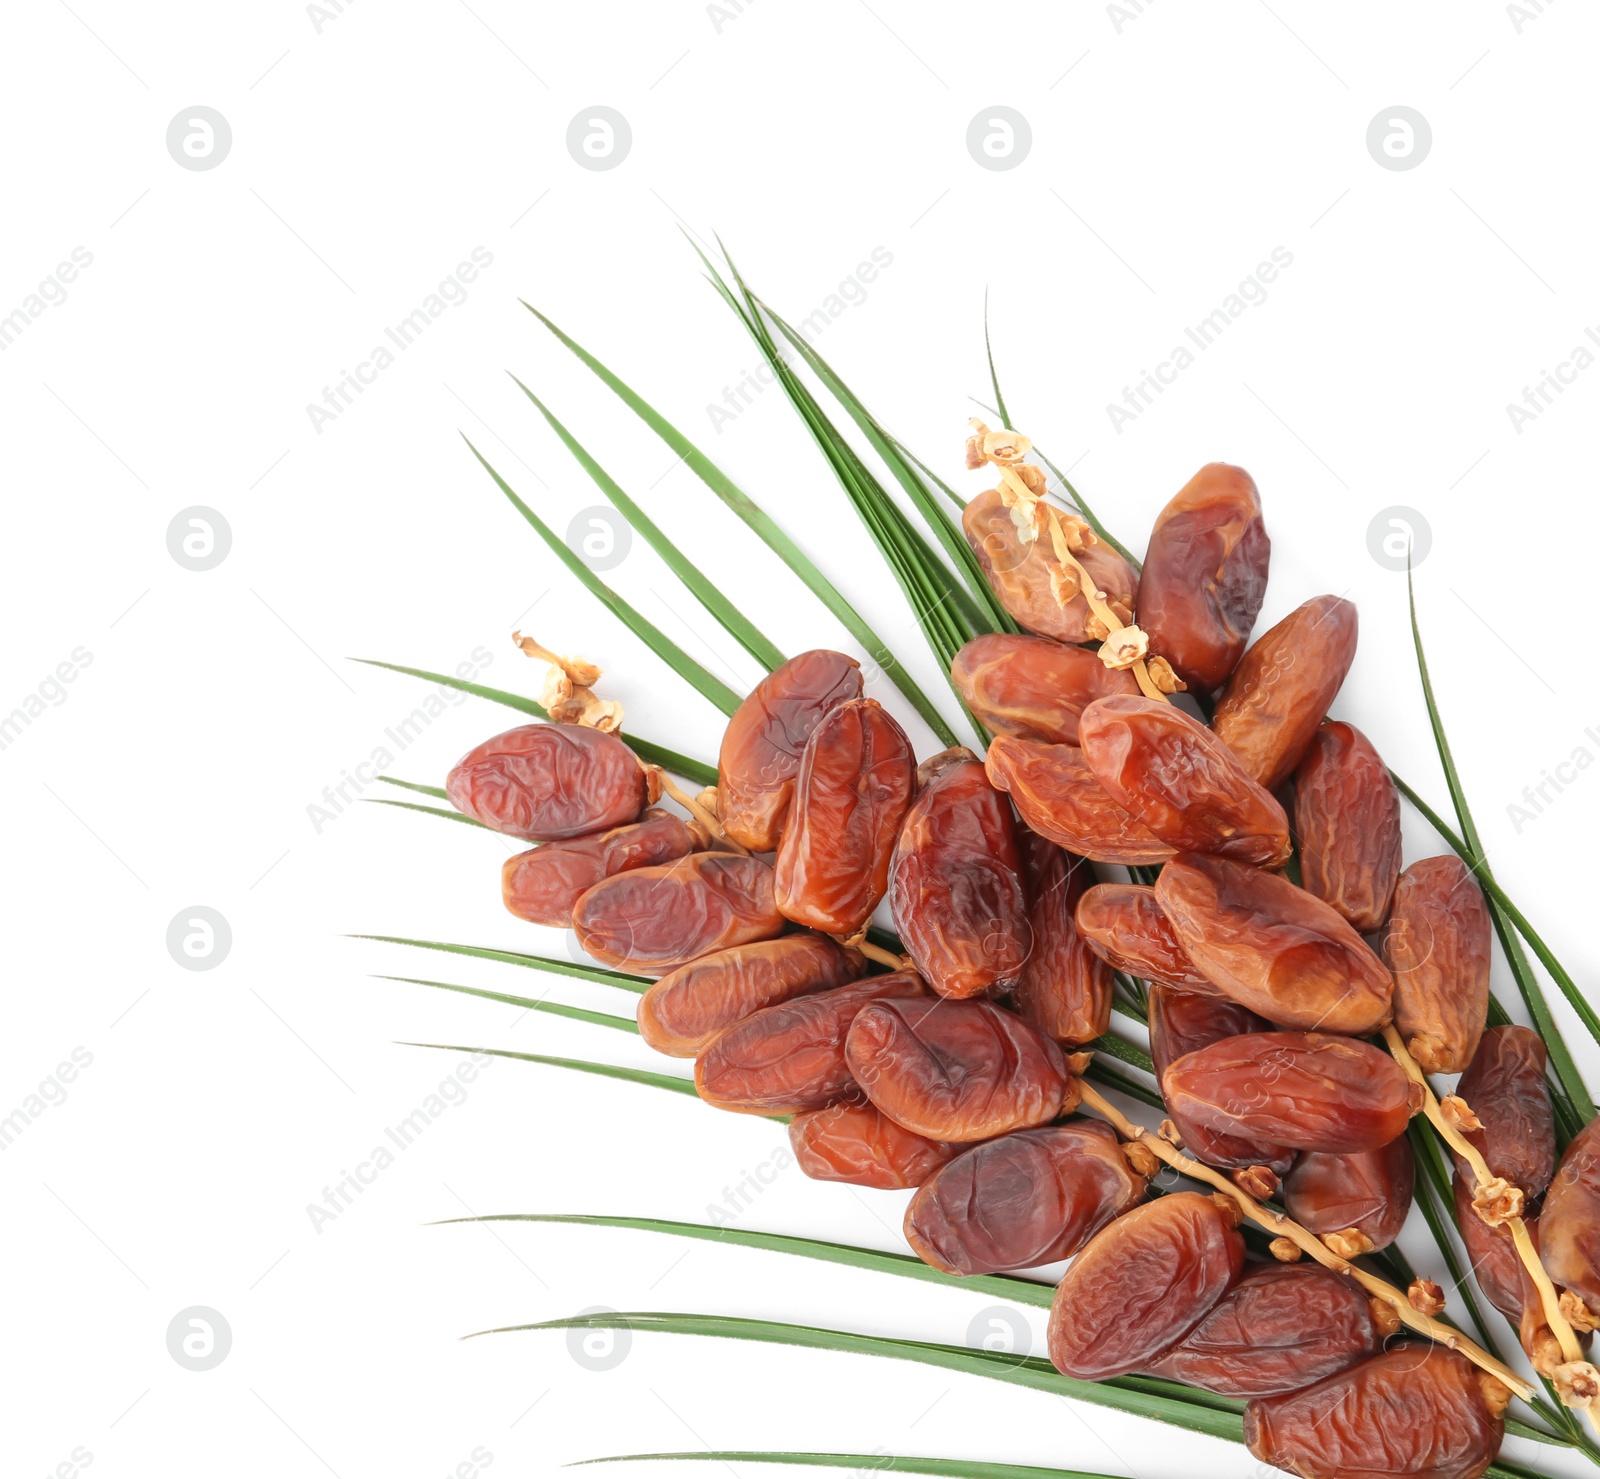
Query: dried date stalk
[[661, 782], [569, 695]]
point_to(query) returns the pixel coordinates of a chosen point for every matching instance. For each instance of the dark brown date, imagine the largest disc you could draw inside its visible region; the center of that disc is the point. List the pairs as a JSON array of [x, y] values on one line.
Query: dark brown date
[[1181, 781], [1141, 1285], [545, 782], [1305, 1090], [1205, 574], [859, 1144], [1125, 925], [1274, 947], [1347, 820], [685, 1010], [857, 777], [1367, 1190], [1064, 989], [1031, 687], [789, 1058], [955, 882], [1569, 1226], [1505, 1086], [1437, 944], [956, 1070], [652, 920], [1023, 1200], [763, 743], [1271, 706], [542, 884]]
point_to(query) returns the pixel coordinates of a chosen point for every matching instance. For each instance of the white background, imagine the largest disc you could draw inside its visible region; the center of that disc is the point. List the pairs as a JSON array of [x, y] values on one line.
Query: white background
[[1171, 152]]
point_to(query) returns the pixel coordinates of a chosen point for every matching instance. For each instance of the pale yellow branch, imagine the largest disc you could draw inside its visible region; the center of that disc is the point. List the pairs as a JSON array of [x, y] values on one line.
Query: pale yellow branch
[[700, 813]]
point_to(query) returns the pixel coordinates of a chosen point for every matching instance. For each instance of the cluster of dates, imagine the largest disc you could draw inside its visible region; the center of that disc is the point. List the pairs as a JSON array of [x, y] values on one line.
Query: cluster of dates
[[956, 1071]]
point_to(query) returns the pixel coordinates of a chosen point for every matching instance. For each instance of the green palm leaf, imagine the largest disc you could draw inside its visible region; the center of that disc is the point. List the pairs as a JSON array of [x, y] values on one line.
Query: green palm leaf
[[416, 786], [529, 1003], [578, 1065], [432, 811], [955, 1468], [598, 974]]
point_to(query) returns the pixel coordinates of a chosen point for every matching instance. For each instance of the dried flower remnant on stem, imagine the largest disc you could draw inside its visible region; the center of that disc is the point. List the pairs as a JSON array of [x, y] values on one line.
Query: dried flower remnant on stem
[[568, 695]]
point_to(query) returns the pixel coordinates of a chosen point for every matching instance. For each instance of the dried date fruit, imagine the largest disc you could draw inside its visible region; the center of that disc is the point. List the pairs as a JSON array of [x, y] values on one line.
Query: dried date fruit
[[1125, 926], [1569, 1225], [1274, 947], [1505, 1087], [1271, 706], [1181, 781], [1367, 1192], [1059, 797], [789, 1058], [765, 738], [1023, 1200], [652, 920], [1281, 1327], [955, 882], [1142, 1284], [1031, 687], [1347, 821], [857, 777], [1305, 1090], [1205, 574], [1437, 945], [546, 782], [1421, 1410], [1064, 989], [860, 1145], [956, 1070], [686, 1009]]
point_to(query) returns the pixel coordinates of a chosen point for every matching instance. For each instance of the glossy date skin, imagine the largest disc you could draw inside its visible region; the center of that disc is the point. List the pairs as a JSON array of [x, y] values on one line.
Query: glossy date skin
[[1141, 1285], [653, 920], [860, 1145], [546, 782], [1031, 687], [857, 777], [1126, 927], [1569, 1226], [542, 884], [1506, 1088], [1437, 943], [1181, 781], [1369, 1190], [1347, 822], [956, 1070], [1277, 949], [955, 883], [1205, 574], [1415, 1410], [686, 1009], [766, 737], [1271, 706], [1023, 1200], [1064, 988], [789, 1058]]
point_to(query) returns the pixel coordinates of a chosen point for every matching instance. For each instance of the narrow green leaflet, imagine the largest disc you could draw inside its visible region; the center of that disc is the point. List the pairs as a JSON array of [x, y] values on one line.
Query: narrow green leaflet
[[1110, 1078], [598, 974], [1120, 1047], [1089, 515], [955, 1468], [416, 786], [579, 1065], [432, 811], [994, 379], [532, 1004]]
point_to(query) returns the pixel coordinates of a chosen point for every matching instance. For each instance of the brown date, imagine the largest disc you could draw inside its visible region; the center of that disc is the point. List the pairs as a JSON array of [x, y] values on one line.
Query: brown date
[[857, 777], [956, 1070], [1141, 1285], [1059, 797], [1277, 696], [955, 882], [546, 782], [1504, 1278], [1064, 989], [1347, 821], [652, 920], [1023, 1200], [1125, 925], [789, 1058], [1368, 1190], [1181, 781], [1205, 573], [859, 1144], [1274, 947], [1437, 943], [1504, 1084], [1569, 1226], [683, 1011], [1281, 1327], [1305, 1090], [763, 743], [1419, 1410], [1031, 687]]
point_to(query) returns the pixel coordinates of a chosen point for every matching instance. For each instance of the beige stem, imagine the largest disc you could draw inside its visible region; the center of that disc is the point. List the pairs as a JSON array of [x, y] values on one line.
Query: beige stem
[[879, 954], [696, 810]]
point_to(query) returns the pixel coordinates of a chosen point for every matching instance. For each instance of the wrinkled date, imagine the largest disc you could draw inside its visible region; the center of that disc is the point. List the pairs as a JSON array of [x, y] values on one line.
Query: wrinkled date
[[1417, 1409], [685, 1010], [1569, 1226], [545, 782], [956, 1070], [1205, 573], [1181, 781], [1031, 687], [1065, 988], [652, 920], [1141, 1285], [1283, 685], [1274, 947], [763, 743], [1281, 1327], [956, 882], [789, 1058], [1437, 945], [1367, 1190], [1347, 819], [1305, 1090], [542, 884], [1022, 1200], [856, 781], [1504, 1084], [859, 1144], [1125, 926]]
